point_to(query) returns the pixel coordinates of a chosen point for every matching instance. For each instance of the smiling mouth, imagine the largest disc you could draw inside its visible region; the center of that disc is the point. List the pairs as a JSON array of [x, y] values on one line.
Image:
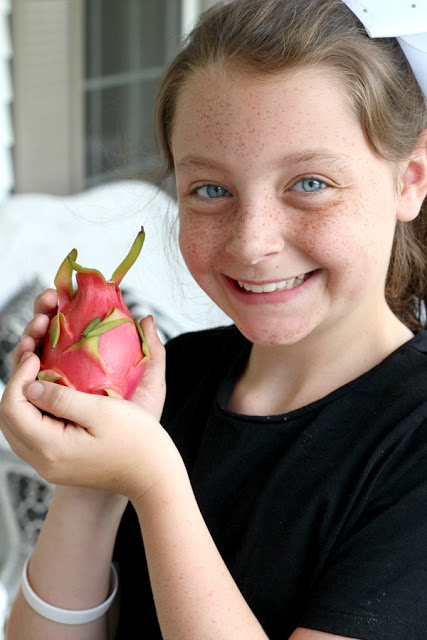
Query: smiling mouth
[[269, 287]]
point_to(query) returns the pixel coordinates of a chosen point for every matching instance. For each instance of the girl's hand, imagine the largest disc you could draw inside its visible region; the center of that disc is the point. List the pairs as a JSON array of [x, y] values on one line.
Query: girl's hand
[[151, 391], [76, 439], [44, 309], [58, 448]]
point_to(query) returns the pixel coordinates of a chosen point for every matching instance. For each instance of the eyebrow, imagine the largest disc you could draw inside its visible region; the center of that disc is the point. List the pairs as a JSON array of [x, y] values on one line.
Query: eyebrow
[[319, 155], [197, 162]]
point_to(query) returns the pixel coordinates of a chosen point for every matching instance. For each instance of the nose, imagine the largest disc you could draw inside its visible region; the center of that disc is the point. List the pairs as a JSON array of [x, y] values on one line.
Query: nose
[[255, 233]]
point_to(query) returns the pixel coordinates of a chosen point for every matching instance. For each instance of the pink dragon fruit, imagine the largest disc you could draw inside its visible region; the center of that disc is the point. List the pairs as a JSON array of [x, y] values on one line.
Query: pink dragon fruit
[[93, 343]]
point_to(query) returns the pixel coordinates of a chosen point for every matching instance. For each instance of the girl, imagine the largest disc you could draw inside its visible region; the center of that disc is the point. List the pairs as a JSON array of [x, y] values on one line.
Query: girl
[[284, 495]]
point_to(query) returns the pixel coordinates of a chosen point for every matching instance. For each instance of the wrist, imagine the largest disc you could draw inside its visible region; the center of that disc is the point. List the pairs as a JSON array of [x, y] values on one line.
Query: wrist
[[154, 466], [77, 537], [97, 502], [67, 616], [170, 488]]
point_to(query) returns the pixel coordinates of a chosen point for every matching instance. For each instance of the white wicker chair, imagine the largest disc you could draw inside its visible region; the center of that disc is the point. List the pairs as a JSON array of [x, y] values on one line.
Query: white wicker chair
[[24, 501]]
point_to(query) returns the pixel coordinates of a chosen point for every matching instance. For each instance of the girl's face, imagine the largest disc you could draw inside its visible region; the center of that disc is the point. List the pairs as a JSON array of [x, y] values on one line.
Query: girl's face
[[286, 214]]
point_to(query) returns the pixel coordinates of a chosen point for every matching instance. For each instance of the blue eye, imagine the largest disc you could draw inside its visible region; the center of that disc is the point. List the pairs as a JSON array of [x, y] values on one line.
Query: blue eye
[[309, 185], [212, 191]]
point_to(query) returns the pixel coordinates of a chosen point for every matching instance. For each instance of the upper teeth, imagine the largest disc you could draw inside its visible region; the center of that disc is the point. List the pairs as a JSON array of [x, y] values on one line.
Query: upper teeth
[[272, 286]]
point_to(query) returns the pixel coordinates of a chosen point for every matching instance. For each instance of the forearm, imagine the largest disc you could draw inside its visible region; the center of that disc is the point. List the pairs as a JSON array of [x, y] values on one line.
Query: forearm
[[70, 565], [195, 595]]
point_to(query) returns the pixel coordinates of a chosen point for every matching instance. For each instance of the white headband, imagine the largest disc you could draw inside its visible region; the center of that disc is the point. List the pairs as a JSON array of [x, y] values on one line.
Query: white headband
[[401, 19]]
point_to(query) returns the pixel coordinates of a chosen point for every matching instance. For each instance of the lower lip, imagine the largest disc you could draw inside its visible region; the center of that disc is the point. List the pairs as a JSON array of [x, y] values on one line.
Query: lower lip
[[279, 296]]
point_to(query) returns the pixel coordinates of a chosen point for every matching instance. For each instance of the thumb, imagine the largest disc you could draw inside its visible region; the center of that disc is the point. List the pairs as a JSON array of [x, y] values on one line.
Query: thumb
[[156, 368], [68, 404]]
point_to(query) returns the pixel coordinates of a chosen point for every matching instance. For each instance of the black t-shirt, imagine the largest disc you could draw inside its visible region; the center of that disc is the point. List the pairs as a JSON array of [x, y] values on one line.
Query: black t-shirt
[[320, 514]]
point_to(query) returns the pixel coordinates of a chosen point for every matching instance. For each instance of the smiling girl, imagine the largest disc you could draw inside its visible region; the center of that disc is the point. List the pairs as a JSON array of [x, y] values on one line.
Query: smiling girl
[[279, 491]]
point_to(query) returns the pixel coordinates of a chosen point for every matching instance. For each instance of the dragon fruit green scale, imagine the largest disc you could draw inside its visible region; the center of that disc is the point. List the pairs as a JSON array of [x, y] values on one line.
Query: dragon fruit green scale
[[93, 342]]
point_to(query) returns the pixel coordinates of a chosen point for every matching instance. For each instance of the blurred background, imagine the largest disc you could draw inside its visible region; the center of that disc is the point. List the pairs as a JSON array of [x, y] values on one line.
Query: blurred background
[[77, 86]]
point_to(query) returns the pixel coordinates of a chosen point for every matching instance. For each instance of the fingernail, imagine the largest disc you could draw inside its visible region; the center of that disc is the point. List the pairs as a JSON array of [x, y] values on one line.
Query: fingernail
[[25, 356], [34, 390]]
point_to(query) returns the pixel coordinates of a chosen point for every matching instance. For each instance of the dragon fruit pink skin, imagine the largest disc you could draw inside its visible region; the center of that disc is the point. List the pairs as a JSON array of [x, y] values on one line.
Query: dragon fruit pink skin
[[93, 343]]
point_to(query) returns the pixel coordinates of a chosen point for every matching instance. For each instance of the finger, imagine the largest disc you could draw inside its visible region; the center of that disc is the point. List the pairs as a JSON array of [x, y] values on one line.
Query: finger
[[46, 302], [26, 372], [39, 439], [33, 336], [37, 327], [155, 346], [26, 344], [45, 306], [19, 418], [150, 392]]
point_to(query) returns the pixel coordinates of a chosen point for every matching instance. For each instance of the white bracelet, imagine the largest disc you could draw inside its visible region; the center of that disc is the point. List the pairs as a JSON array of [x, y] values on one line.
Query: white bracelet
[[67, 616]]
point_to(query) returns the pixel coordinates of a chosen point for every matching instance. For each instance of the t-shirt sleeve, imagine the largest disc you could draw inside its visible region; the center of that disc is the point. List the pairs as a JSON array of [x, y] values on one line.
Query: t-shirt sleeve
[[374, 585]]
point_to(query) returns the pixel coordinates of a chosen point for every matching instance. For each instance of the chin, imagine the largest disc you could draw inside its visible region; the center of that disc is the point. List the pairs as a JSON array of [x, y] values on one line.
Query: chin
[[284, 334]]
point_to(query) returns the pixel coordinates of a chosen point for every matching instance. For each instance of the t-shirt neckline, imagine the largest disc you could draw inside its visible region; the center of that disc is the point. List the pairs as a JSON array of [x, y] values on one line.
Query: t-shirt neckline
[[419, 340]]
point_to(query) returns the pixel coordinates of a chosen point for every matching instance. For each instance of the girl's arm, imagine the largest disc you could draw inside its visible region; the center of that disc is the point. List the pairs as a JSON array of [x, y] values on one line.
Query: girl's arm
[[70, 565], [196, 597]]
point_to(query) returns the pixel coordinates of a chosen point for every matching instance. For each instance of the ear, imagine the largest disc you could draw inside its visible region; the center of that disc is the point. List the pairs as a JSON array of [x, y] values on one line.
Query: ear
[[413, 185]]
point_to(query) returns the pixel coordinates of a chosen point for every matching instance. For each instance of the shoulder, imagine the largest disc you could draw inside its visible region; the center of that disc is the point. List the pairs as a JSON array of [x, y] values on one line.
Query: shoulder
[[389, 408], [404, 388], [414, 352], [395, 390], [412, 356], [410, 359]]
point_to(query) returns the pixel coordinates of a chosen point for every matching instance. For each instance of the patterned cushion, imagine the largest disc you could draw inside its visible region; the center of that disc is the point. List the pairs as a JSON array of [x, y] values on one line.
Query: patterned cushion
[[30, 498]]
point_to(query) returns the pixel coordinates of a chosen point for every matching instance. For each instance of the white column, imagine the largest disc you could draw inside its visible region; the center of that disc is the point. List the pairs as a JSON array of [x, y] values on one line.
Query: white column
[[47, 37], [6, 134]]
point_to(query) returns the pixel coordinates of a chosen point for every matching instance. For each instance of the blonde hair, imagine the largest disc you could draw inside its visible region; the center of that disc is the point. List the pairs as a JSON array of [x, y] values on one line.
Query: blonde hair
[[262, 37]]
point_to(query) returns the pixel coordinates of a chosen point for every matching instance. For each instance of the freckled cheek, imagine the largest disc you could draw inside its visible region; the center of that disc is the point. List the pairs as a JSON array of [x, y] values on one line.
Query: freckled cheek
[[199, 244], [345, 244]]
